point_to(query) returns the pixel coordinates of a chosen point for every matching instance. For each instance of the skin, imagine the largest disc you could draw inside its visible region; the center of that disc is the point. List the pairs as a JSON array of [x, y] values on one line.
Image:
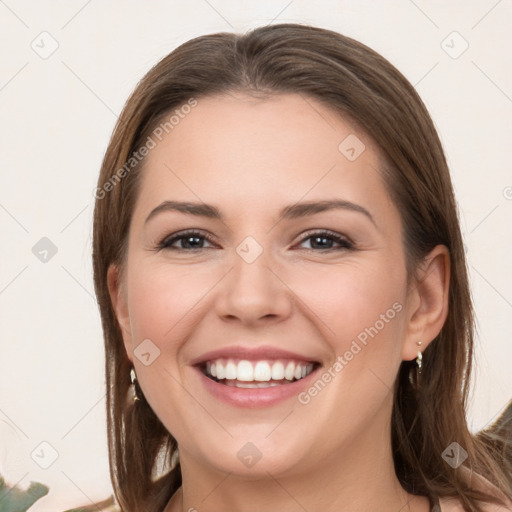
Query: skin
[[251, 158]]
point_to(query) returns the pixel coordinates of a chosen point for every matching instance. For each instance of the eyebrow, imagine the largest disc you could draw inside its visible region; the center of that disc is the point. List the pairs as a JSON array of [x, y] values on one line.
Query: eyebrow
[[293, 211]]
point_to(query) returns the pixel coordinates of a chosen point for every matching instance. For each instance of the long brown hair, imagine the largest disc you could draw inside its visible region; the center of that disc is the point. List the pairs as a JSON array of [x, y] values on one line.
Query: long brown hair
[[363, 87]]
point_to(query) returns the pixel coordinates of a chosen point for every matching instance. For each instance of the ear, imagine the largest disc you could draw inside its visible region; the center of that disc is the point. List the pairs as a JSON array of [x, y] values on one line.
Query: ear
[[120, 304], [427, 302]]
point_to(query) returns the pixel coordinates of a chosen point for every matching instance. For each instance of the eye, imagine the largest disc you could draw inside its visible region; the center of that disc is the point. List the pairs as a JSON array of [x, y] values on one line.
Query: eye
[[190, 240], [323, 240]]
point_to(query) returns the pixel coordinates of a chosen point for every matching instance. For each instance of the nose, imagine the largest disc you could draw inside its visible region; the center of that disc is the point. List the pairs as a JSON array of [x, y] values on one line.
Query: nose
[[253, 293]]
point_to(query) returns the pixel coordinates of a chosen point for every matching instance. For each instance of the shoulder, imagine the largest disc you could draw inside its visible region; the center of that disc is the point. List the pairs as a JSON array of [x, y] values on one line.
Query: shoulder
[[450, 505], [480, 483], [454, 505]]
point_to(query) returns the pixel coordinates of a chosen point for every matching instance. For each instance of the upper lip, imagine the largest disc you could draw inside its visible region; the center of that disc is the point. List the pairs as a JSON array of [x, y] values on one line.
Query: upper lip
[[251, 354]]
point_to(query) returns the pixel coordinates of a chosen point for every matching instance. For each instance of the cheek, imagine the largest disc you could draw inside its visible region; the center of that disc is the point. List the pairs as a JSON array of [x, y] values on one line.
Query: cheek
[[361, 312], [164, 302], [357, 300], [160, 297]]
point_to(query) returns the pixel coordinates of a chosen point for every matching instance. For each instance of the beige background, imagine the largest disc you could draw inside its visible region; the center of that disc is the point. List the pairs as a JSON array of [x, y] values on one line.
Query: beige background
[[56, 115]]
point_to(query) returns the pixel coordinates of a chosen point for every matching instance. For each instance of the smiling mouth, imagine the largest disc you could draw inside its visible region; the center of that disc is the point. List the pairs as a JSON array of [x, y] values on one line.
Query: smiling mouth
[[242, 373]]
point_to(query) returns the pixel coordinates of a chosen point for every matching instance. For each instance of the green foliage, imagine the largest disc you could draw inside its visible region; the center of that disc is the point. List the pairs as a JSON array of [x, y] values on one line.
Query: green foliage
[[13, 499]]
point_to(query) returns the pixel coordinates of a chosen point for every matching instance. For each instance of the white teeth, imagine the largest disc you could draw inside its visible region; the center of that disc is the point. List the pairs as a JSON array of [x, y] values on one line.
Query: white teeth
[[262, 371], [231, 371], [219, 368], [257, 373], [277, 371], [290, 370], [244, 371], [253, 385]]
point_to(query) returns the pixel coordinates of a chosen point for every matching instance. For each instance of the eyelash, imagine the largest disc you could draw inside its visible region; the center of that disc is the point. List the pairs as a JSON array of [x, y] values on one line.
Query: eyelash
[[166, 243]]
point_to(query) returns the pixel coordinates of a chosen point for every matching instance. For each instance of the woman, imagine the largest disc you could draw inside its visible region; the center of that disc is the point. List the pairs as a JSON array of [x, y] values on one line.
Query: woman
[[283, 289]]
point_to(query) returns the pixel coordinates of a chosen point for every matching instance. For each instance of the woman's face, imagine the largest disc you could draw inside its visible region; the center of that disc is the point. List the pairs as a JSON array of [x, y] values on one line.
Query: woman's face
[[266, 287]]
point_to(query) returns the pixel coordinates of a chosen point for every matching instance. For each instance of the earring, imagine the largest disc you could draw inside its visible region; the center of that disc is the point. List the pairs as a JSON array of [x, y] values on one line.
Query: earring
[[419, 365], [419, 358], [414, 376], [135, 385]]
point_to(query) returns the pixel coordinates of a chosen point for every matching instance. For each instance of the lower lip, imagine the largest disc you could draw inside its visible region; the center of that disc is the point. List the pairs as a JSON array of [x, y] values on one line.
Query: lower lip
[[255, 397]]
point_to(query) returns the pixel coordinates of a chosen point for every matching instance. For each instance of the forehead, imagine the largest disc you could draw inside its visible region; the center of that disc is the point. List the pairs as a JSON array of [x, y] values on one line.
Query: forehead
[[252, 151]]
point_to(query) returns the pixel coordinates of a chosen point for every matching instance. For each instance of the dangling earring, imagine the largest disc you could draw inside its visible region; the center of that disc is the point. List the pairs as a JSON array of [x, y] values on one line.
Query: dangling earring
[[419, 363], [135, 385], [414, 376], [419, 358]]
